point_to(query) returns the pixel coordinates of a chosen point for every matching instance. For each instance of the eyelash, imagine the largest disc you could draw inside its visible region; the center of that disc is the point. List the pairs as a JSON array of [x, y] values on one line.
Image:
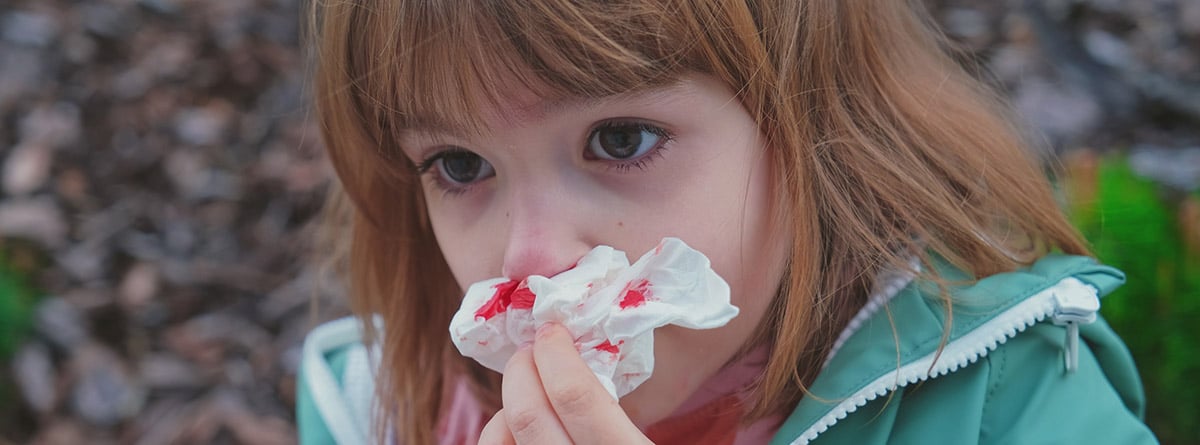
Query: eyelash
[[642, 163], [426, 165]]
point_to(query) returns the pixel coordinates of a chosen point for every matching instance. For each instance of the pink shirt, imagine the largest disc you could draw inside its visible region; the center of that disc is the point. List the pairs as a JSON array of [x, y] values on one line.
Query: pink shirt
[[463, 419]]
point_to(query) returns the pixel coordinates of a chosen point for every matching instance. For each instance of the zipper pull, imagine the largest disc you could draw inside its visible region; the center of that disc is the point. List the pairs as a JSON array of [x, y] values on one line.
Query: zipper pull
[[1075, 303]]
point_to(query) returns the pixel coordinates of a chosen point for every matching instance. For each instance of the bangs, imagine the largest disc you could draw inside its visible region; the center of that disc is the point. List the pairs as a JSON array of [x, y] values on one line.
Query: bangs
[[429, 65]]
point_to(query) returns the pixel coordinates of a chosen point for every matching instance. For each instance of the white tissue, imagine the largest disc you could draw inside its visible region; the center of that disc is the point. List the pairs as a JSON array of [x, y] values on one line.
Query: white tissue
[[610, 307]]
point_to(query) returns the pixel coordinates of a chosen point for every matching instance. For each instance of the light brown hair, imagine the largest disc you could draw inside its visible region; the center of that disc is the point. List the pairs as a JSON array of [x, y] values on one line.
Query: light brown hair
[[883, 146]]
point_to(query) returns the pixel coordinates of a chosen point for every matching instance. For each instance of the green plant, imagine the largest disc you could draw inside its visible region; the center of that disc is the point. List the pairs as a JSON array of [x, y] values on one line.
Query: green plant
[[19, 260], [1137, 226], [16, 307]]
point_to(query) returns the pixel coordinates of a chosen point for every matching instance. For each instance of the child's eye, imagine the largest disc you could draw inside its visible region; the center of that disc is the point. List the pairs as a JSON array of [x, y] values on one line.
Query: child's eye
[[457, 167], [620, 141]]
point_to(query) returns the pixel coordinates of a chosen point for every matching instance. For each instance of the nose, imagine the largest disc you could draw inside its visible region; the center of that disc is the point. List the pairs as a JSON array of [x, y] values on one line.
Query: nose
[[543, 238]]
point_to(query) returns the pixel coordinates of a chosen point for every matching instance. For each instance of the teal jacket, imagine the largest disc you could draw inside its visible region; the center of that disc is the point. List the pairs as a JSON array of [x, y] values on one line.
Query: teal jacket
[[1012, 371], [336, 385], [1027, 361]]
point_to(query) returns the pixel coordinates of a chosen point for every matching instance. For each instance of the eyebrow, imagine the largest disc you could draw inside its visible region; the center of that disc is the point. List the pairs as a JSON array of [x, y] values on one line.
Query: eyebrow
[[643, 93], [649, 92], [652, 92]]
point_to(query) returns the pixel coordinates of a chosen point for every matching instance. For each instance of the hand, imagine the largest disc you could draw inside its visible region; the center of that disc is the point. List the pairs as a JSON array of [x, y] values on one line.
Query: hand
[[551, 397]]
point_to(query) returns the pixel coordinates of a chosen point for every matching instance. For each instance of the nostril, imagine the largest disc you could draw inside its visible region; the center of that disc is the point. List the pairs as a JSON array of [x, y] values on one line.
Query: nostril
[[520, 265], [536, 262], [540, 238]]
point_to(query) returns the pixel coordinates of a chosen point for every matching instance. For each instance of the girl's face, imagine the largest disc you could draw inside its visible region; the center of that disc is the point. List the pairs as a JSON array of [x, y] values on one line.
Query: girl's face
[[549, 180]]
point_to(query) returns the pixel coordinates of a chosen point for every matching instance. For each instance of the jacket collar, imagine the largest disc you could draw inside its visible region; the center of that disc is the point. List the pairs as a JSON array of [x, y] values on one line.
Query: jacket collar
[[895, 342]]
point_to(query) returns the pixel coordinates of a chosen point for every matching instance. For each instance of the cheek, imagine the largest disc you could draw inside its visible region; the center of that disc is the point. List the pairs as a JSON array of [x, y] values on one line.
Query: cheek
[[735, 227], [466, 247], [755, 266]]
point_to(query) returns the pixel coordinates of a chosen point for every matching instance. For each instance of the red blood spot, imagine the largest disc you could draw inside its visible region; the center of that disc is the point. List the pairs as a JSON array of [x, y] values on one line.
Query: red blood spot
[[635, 294], [522, 298], [658, 249], [499, 301], [610, 348]]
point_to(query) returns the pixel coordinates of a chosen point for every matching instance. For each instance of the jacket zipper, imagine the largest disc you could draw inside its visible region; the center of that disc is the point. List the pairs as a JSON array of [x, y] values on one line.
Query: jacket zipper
[[1069, 302]]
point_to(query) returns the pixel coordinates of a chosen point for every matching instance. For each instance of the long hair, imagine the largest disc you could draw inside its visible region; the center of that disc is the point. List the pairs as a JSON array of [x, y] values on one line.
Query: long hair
[[882, 146]]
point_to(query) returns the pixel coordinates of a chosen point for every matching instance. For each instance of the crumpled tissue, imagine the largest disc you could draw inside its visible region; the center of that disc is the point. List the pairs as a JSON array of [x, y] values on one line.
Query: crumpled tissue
[[610, 307]]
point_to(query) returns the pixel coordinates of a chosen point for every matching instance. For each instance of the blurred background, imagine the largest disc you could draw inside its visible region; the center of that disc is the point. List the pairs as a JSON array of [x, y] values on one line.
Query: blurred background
[[161, 172]]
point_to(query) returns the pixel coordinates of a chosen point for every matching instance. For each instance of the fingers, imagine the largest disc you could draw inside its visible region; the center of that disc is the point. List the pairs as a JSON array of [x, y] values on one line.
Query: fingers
[[551, 397], [586, 411], [496, 432], [528, 415]]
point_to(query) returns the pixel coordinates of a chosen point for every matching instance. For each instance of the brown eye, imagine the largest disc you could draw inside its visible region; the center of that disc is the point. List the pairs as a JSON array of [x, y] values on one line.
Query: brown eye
[[618, 142], [463, 167]]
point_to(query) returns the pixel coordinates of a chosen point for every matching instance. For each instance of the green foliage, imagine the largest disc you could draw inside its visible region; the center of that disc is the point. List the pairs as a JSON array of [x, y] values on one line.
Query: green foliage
[[1133, 225], [16, 306]]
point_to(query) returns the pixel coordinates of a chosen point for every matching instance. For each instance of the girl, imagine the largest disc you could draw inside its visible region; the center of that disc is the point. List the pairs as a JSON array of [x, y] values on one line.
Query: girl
[[886, 236]]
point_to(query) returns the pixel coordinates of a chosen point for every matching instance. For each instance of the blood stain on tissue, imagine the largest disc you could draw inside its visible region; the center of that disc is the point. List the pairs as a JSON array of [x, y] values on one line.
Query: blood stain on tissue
[[635, 294], [522, 298], [610, 348], [508, 293]]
